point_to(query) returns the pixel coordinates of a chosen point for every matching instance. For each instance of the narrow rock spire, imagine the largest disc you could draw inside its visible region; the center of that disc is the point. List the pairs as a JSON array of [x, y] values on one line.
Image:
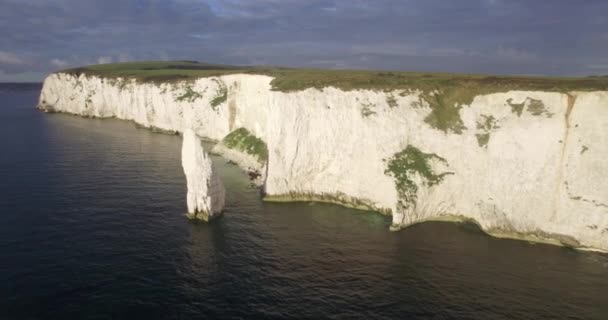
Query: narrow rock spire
[[205, 188]]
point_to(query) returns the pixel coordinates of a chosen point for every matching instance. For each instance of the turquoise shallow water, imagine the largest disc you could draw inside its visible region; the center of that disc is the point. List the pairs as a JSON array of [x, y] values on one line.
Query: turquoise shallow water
[[92, 226]]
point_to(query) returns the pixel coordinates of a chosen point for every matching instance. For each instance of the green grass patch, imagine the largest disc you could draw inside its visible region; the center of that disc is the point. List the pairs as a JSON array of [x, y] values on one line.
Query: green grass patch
[[405, 165], [366, 110], [241, 139], [445, 111], [483, 139], [391, 101], [485, 124], [537, 108], [221, 96], [517, 108], [188, 95]]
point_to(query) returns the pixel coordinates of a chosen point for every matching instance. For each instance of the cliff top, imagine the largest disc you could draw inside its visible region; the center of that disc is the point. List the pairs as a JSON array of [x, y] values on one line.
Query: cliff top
[[292, 79], [445, 93]]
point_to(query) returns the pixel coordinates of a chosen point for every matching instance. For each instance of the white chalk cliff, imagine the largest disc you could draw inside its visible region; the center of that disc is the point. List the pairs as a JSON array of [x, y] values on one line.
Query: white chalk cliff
[[205, 189], [526, 164]]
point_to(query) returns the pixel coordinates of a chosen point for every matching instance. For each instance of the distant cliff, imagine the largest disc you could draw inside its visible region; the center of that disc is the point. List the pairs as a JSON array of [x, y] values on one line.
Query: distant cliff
[[528, 164]]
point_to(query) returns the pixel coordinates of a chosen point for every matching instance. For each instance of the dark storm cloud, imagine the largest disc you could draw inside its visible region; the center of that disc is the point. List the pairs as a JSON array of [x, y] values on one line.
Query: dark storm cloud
[[554, 37]]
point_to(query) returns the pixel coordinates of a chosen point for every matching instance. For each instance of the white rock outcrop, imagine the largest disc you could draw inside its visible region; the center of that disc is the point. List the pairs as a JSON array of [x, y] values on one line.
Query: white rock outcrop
[[205, 189], [526, 164]]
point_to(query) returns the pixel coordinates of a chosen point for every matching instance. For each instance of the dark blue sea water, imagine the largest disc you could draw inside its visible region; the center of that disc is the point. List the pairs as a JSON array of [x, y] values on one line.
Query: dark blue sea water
[[92, 226]]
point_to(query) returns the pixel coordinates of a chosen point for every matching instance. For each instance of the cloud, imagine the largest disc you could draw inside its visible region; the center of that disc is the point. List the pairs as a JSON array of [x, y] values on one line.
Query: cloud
[[488, 36], [105, 59], [124, 57], [514, 54], [59, 63], [10, 58], [598, 67]]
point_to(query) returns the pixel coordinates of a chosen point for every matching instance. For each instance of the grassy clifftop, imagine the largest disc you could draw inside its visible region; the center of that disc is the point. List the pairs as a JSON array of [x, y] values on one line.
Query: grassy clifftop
[[288, 79], [444, 93]]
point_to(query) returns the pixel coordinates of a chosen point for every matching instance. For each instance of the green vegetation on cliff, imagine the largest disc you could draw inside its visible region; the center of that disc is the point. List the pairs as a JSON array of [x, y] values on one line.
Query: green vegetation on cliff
[[188, 95], [409, 166], [241, 139], [485, 124], [221, 96], [535, 107]]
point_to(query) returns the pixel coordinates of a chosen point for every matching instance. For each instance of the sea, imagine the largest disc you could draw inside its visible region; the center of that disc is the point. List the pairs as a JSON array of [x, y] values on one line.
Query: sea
[[93, 226]]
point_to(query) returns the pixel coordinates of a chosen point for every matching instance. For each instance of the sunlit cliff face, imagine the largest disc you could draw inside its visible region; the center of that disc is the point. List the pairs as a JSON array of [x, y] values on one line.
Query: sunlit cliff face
[[521, 164]]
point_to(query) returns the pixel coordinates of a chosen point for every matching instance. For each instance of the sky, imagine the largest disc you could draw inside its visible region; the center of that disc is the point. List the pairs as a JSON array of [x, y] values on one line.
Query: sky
[[527, 37]]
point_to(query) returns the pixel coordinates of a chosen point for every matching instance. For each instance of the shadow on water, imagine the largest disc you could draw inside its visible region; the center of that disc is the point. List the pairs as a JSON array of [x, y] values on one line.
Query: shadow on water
[[92, 226]]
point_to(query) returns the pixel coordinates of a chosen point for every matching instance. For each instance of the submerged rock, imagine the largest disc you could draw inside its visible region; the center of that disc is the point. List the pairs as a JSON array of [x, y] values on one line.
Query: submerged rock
[[206, 191]]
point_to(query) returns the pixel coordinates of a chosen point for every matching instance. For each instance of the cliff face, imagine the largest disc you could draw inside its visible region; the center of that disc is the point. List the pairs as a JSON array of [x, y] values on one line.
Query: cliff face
[[521, 164], [205, 189]]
